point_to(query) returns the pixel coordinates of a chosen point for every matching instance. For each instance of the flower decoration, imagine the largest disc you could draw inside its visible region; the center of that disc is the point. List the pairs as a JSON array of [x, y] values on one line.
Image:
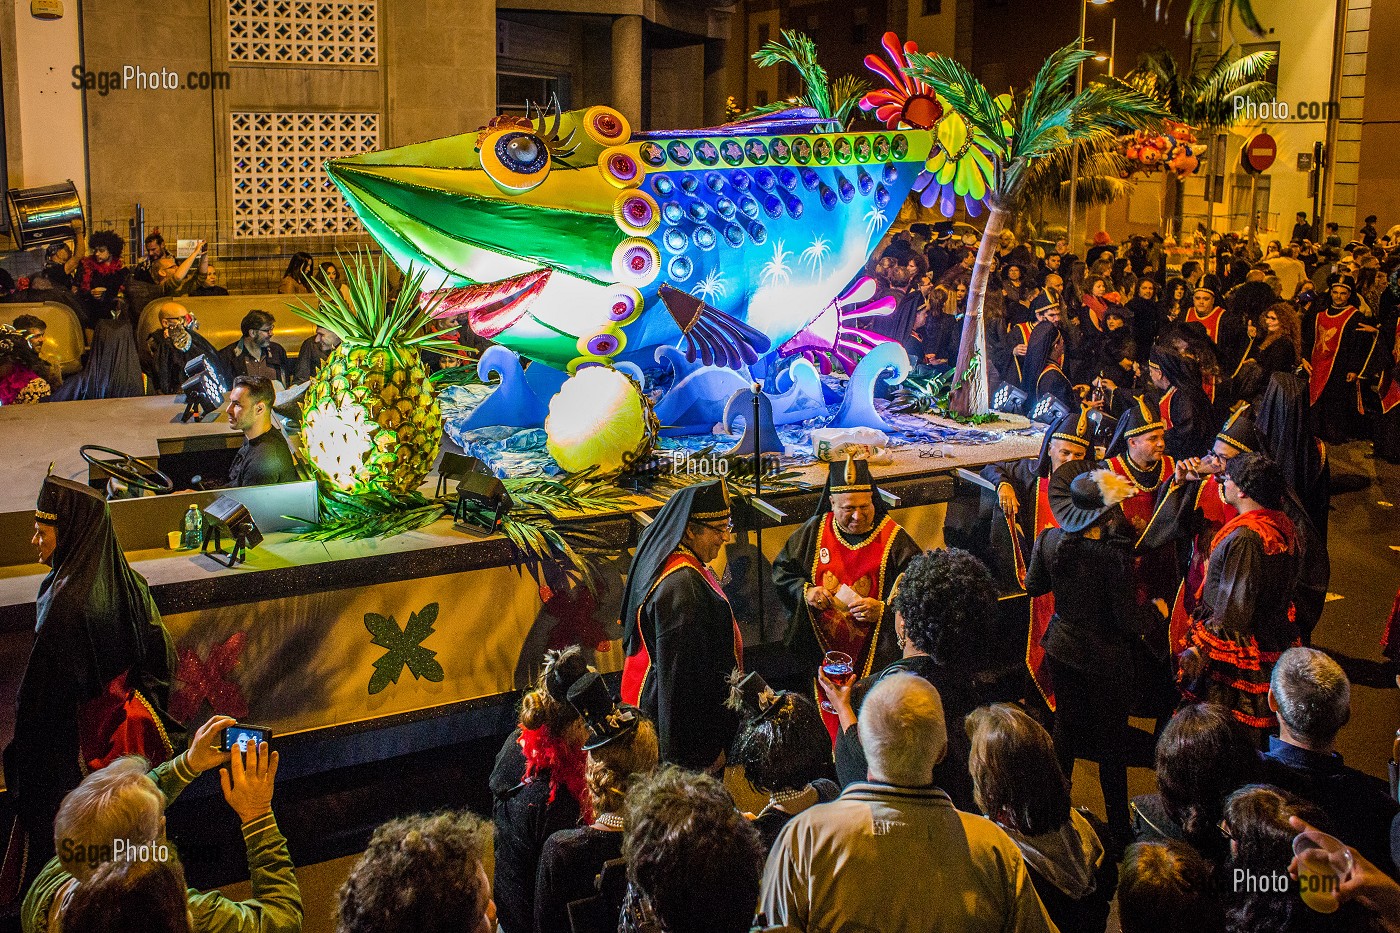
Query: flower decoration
[[207, 679], [961, 163]]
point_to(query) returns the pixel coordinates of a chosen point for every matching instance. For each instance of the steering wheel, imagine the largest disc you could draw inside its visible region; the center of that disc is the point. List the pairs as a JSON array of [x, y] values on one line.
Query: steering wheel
[[125, 469]]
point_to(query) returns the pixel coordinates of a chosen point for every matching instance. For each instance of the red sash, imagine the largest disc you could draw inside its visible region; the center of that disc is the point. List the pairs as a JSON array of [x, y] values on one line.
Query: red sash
[[1164, 408], [1391, 397], [636, 667], [1042, 607], [1211, 322], [1327, 340], [1159, 564]]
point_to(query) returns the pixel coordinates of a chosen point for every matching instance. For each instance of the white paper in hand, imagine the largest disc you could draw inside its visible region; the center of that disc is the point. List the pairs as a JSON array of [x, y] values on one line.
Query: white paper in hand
[[847, 596]]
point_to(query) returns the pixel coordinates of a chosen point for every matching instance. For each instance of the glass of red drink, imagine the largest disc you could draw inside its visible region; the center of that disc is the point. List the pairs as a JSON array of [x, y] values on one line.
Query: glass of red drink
[[840, 669]]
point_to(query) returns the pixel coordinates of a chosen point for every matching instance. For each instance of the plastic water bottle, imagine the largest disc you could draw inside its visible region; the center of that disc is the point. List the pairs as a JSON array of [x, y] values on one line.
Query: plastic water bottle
[[193, 534]]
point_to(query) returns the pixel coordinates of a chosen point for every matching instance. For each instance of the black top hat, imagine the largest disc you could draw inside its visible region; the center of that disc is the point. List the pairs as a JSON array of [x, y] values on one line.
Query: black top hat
[[1073, 429], [851, 476], [605, 719], [1240, 433], [562, 670], [711, 502], [751, 697], [1342, 279], [1082, 492]]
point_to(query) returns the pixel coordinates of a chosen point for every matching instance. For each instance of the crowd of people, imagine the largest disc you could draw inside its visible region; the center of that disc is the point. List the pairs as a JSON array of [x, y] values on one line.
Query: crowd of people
[[108, 297]]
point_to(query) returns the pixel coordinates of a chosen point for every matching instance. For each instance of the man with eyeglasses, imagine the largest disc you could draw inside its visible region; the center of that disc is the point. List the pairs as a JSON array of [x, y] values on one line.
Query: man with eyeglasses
[[835, 574], [254, 354], [679, 634]]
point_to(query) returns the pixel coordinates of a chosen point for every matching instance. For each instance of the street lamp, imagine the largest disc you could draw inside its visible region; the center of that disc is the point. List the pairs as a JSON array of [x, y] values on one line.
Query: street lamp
[[1078, 87], [1111, 57]]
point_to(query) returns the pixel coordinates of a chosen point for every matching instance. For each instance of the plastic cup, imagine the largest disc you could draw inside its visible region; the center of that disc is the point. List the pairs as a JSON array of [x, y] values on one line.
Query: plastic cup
[[1324, 862]]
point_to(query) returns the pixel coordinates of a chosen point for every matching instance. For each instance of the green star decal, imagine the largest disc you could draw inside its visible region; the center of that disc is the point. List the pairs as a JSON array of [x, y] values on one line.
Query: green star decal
[[403, 647]]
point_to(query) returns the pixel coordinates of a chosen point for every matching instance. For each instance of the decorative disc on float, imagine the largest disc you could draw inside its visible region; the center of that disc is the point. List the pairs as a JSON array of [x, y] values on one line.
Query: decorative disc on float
[[619, 167], [605, 126], [636, 262], [626, 305], [636, 213]]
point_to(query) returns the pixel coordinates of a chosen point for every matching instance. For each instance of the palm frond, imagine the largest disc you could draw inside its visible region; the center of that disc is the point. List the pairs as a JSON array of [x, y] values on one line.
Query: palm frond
[[776, 106], [1111, 104], [799, 51], [374, 514], [1203, 13], [1100, 169], [1157, 75], [966, 94], [846, 92]]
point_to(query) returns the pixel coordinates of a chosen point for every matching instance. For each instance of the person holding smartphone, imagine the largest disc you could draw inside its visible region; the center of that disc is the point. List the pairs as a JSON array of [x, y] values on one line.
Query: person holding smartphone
[[124, 802]]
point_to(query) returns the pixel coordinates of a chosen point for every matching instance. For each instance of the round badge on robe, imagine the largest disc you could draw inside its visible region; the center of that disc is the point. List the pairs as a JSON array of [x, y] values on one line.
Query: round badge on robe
[[826, 556]]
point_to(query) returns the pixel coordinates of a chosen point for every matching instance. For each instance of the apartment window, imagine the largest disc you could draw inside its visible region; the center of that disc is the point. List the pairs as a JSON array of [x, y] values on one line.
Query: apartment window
[[1272, 74], [860, 25], [514, 90], [763, 34], [933, 7]]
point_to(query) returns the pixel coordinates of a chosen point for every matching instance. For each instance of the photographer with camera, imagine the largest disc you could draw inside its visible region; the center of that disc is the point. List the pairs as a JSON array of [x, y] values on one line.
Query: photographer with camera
[[119, 811]]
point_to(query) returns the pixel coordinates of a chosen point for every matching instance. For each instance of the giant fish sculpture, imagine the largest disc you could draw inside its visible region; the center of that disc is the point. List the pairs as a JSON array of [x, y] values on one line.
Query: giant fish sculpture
[[572, 239]]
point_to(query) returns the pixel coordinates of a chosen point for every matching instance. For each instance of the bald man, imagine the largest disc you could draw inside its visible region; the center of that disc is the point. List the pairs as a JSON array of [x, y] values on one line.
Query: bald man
[[175, 343]]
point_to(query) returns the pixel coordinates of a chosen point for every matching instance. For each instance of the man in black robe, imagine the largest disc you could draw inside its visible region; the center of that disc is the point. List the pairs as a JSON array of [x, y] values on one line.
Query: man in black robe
[[1339, 342], [835, 573], [98, 679], [679, 635], [1242, 622]]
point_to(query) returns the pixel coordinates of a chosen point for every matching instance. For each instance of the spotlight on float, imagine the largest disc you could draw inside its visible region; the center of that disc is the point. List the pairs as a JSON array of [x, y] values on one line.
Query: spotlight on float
[[1008, 399], [227, 514], [1048, 410], [203, 389], [482, 500]]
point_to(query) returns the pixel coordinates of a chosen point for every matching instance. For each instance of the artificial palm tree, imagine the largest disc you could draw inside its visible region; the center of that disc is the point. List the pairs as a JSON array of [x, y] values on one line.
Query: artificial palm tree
[[1204, 98], [834, 101], [1203, 13], [1047, 122]]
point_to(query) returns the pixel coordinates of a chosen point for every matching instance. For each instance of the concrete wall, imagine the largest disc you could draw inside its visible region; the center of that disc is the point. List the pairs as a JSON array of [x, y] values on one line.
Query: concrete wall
[[45, 137], [1378, 179]]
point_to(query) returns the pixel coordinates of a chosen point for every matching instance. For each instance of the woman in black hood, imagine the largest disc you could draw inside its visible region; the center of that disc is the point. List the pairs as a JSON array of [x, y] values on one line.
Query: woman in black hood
[[98, 679], [1184, 406]]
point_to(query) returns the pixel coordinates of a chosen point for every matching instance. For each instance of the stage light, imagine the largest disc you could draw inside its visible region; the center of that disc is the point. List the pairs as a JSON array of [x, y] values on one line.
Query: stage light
[[1008, 399], [482, 499], [227, 514], [203, 389], [1048, 409]]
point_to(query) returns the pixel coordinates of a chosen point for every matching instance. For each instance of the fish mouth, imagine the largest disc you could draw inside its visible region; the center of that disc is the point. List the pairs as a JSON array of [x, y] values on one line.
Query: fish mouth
[[494, 307]]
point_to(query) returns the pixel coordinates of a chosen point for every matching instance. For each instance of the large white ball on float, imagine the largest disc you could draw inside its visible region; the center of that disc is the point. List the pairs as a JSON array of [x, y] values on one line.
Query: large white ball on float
[[596, 419]]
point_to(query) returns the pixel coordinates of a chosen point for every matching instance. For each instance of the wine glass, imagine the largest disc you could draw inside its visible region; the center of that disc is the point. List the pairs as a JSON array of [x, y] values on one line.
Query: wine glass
[[840, 669]]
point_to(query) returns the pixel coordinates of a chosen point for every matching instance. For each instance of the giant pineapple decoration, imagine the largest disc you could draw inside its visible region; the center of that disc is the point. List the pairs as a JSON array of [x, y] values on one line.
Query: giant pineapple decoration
[[371, 423]]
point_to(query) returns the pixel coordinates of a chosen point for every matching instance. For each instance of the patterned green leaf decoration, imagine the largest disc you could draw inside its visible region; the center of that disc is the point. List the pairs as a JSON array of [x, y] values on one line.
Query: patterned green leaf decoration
[[403, 648]]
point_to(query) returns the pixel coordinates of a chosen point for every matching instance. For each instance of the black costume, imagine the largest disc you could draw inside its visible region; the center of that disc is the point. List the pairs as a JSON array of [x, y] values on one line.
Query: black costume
[[536, 788], [1338, 352], [112, 368], [98, 679], [262, 461], [273, 365], [820, 554], [1290, 439], [1185, 408], [569, 868], [168, 361], [679, 635], [1092, 640], [1042, 369]]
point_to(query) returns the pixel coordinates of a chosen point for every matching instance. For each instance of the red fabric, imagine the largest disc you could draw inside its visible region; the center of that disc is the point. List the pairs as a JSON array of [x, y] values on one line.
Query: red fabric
[[1390, 638], [1272, 526], [1042, 607], [1327, 340], [862, 568], [565, 763], [1211, 322], [119, 722], [1391, 396], [88, 267], [1164, 408]]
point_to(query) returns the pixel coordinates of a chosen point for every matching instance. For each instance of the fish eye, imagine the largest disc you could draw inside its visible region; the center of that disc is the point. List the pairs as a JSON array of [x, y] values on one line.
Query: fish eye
[[515, 159]]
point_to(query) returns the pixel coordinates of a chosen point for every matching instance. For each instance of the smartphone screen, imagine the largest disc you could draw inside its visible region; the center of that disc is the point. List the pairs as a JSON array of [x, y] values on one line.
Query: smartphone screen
[[243, 737]]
